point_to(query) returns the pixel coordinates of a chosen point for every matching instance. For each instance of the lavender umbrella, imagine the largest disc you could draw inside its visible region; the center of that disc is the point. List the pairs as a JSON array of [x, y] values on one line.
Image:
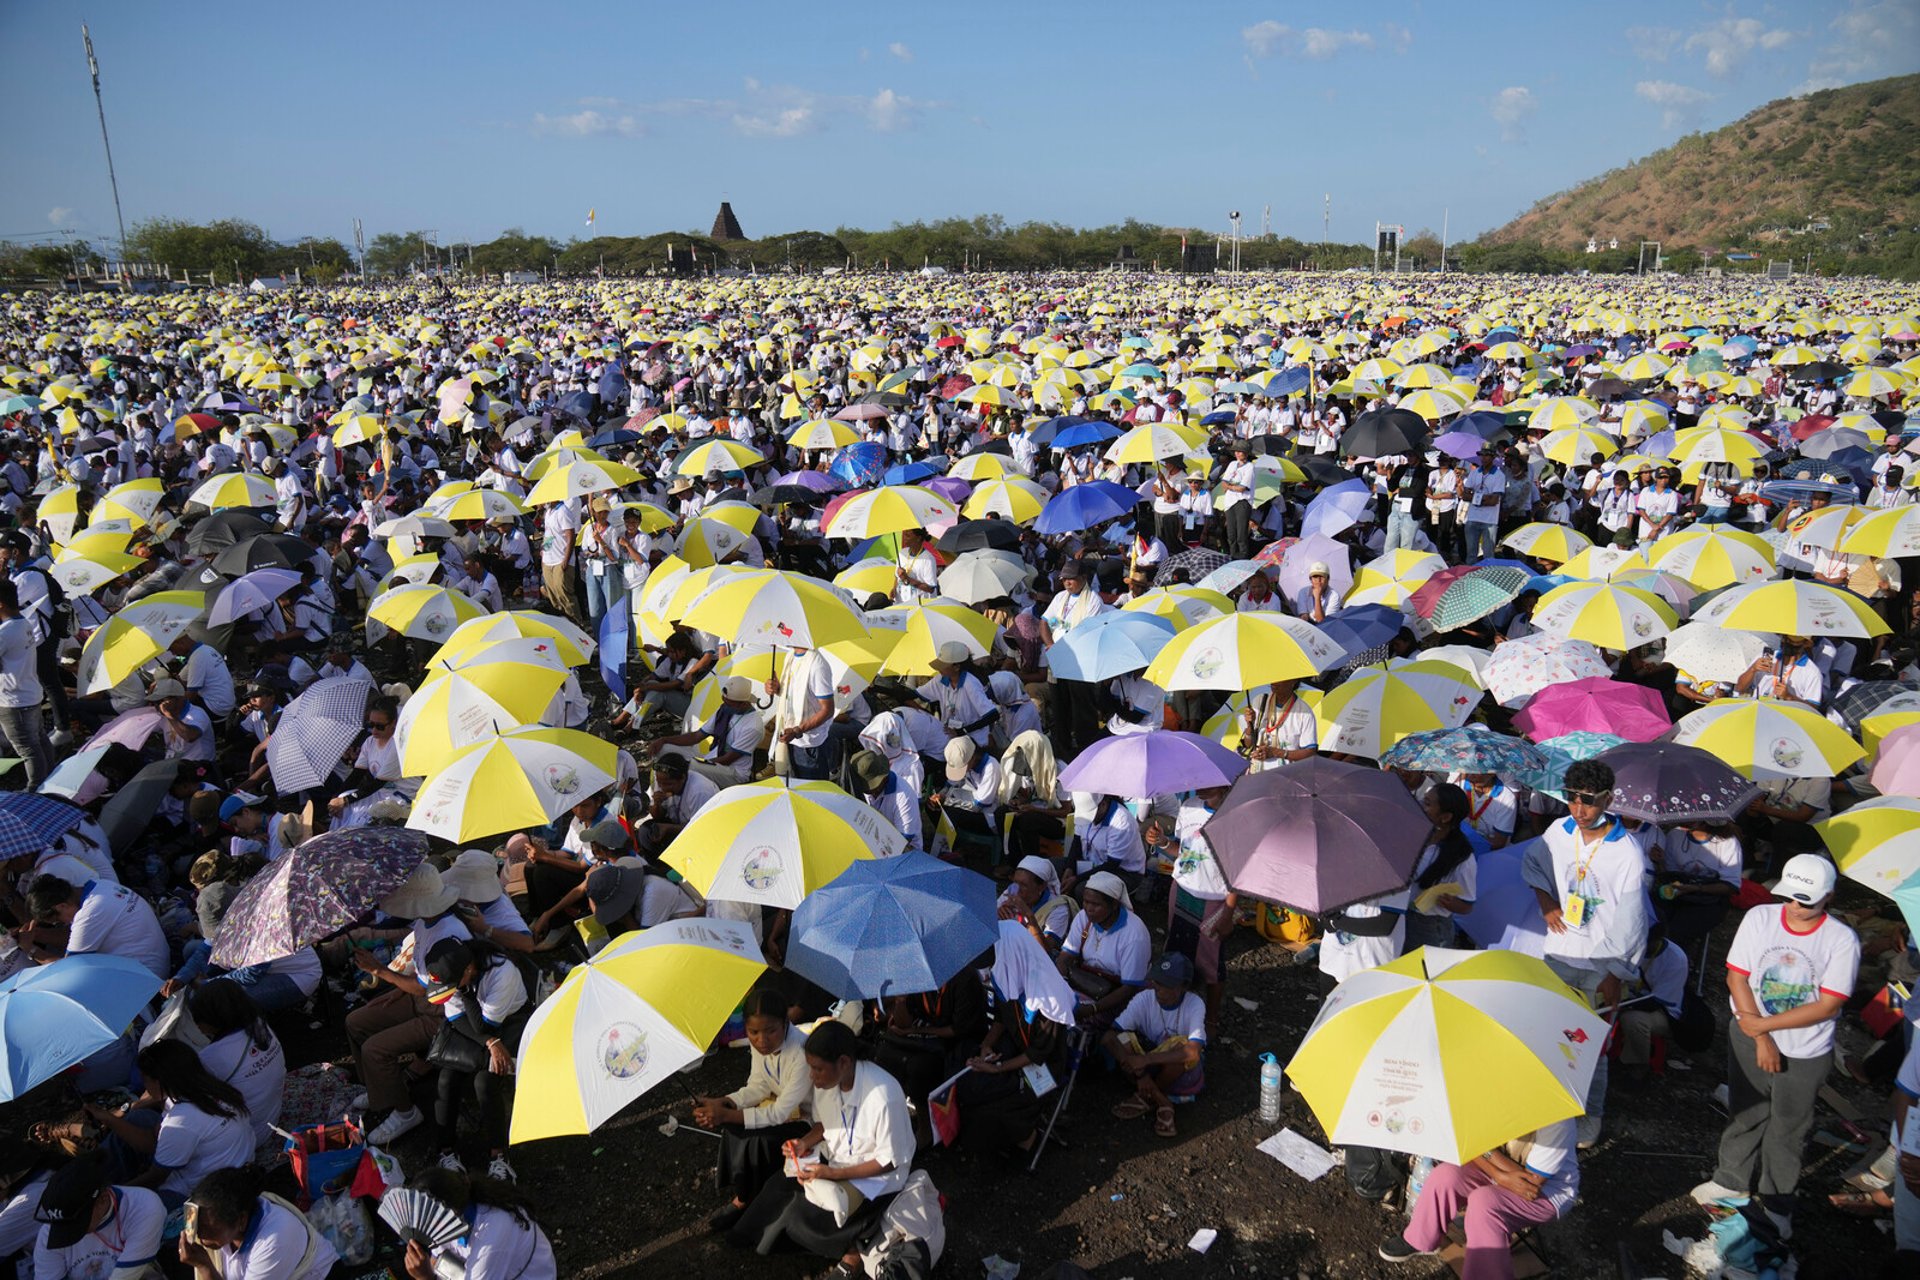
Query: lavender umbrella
[[1337, 508], [1318, 835], [1459, 444], [1668, 782], [319, 888], [1156, 763]]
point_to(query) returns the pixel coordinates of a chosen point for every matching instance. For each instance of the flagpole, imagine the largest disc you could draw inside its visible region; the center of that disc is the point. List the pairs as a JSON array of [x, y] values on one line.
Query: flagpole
[[93, 69]]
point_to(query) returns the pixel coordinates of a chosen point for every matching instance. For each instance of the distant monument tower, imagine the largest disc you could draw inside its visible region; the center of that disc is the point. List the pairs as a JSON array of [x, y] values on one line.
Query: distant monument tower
[[725, 225]]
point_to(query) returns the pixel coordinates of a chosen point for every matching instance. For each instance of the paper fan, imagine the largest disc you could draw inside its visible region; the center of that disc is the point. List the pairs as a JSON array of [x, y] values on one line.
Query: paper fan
[[415, 1215]]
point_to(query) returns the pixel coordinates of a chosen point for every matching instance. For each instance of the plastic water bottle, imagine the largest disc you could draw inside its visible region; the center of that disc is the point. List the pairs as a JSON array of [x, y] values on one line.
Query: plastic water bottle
[[1269, 1089]]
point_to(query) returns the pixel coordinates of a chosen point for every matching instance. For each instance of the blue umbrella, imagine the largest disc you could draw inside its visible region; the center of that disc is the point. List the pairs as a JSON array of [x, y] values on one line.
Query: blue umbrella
[[1085, 505], [1085, 432], [1484, 423], [1582, 744], [576, 404], [860, 464], [1468, 749], [1362, 626], [53, 1016], [1046, 431], [619, 435], [909, 473], [1506, 913], [1218, 418], [1109, 644], [1284, 382], [1336, 509], [892, 927]]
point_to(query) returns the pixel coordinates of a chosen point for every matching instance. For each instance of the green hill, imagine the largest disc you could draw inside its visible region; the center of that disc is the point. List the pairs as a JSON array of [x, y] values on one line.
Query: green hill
[[1838, 166]]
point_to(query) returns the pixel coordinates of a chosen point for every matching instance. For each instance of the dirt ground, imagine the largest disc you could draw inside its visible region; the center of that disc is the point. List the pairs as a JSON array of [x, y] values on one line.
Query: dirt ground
[[628, 1201]]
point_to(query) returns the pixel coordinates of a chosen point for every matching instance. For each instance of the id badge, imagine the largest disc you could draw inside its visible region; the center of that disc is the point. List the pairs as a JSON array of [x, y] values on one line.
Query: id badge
[[1573, 911]]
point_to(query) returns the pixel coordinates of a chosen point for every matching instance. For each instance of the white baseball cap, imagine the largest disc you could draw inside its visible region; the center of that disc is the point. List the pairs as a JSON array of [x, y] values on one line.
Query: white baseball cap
[[1808, 879]]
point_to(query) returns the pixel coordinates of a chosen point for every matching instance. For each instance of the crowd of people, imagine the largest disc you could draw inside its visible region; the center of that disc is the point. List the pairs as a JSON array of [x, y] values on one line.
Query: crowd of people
[[1413, 478]]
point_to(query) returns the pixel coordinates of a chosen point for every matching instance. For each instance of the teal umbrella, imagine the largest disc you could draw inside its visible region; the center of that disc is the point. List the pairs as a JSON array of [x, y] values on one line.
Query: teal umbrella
[[1454, 597], [56, 1015]]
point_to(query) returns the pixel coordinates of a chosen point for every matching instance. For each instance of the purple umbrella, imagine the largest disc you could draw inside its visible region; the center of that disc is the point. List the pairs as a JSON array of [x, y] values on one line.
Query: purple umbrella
[[1161, 762], [951, 488], [1668, 782], [1337, 508], [319, 888], [1459, 444], [1304, 554], [818, 481], [1318, 835]]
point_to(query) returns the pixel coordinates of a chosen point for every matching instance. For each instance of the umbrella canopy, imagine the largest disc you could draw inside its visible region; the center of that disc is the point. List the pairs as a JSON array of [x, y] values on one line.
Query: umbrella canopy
[[1472, 748], [1379, 433], [56, 1015], [977, 535], [1455, 597], [1594, 705], [1605, 614], [1555, 542], [423, 610], [1112, 643], [1794, 607], [251, 593], [136, 634], [314, 732], [889, 510], [772, 843], [1240, 651], [1140, 766], [475, 695], [1711, 654], [925, 627], [892, 926], [223, 529], [1712, 556], [769, 606], [1448, 1054], [1865, 699], [978, 576], [30, 822], [1318, 834], [318, 888], [1765, 739], [1668, 782], [514, 780], [645, 1007], [1506, 912], [1377, 708], [1082, 506], [235, 489], [859, 465], [1336, 509], [1521, 668], [571, 644], [1876, 842], [1015, 498]]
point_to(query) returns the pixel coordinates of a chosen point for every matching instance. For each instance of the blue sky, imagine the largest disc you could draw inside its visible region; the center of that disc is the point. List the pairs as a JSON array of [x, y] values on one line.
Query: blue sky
[[471, 118]]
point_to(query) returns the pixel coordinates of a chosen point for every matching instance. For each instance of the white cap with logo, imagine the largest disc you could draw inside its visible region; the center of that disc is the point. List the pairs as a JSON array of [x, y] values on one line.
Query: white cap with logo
[[1808, 879]]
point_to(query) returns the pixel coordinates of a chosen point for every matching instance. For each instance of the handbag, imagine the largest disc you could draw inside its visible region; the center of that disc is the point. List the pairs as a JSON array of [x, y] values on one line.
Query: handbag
[[454, 1051]]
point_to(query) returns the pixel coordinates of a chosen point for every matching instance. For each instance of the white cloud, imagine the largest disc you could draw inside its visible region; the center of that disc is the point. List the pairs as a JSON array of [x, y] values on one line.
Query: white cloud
[[1679, 104], [589, 124], [1269, 38], [899, 50], [1512, 107], [890, 112], [59, 214], [1654, 44], [1873, 38], [1727, 43], [785, 122]]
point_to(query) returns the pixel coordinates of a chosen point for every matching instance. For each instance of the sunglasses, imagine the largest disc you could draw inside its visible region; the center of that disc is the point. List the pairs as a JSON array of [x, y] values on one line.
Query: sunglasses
[[377, 725], [1592, 799]]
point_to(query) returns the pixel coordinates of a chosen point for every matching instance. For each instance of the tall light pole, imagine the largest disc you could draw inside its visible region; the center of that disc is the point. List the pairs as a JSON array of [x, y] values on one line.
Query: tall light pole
[[1233, 216], [1326, 217], [93, 69]]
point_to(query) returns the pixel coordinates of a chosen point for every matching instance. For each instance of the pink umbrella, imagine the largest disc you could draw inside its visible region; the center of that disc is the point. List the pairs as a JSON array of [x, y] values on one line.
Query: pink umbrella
[[1896, 768], [130, 729], [861, 412], [1594, 705]]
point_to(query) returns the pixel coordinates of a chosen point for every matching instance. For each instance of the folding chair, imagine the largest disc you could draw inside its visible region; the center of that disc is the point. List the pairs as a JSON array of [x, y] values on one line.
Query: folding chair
[[1079, 1040]]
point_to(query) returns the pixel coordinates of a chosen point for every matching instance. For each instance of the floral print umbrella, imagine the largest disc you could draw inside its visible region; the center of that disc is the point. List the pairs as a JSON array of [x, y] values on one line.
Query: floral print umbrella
[[317, 889]]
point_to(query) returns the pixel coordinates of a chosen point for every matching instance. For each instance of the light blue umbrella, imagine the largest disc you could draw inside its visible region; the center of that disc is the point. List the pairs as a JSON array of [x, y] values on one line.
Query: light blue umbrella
[[59, 1014], [1506, 914], [1109, 644], [1336, 509], [1561, 752], [1472, 748], [892, 927]]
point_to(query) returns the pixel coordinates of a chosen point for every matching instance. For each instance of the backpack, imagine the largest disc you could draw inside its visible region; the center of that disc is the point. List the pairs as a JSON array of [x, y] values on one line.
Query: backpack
[[59, 607]]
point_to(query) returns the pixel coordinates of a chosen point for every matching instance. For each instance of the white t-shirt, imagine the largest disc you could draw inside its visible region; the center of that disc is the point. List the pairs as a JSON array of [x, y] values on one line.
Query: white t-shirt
[[128, 1239], [1553, 1155], [114, 920], [1153, 1022], [273, 1247], [1122, 949], [562, 518], [1714, 856], [1466, 875], [1609, 876], [1344, 954], [193, 1143], [501, 1247], [18, 1227], [259, 1074], [867, 1122], [502, 993], [1493, 814], [1785, 970]]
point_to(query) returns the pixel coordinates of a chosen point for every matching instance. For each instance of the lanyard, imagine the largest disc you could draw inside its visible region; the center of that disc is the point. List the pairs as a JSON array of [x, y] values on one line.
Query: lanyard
[[1590, 851], [849, 1117], [1482, 807]]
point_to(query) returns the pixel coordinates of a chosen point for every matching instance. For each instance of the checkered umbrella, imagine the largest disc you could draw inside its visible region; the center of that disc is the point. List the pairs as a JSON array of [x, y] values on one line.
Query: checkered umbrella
[[315, 731], [30, 822]]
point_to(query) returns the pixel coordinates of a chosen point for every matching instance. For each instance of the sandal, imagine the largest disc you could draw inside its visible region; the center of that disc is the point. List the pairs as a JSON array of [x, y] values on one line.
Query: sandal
[[1861, 1204], [1163, 1122], [1131, 1108]]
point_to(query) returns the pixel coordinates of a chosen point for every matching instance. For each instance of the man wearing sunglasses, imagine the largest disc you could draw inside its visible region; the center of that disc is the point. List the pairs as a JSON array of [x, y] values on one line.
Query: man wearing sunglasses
[[1588, 873]]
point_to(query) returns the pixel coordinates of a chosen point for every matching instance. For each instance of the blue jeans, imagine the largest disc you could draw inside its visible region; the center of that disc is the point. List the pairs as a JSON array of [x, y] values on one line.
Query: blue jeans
[[810, 764], [1483, 538], [1716, 515], [1402, 531]]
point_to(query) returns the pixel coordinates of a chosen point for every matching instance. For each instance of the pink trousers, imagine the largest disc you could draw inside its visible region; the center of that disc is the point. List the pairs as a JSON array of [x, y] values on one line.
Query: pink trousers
[[1493, 1214]]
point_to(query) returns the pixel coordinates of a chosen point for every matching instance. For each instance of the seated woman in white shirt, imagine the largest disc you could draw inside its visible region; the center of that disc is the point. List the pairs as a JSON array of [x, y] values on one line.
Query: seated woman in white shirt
[[242, 1050], [202, 1125], [503, 1242], [772, 1108], [239, 1234], [855, 1158], [1107, 950]]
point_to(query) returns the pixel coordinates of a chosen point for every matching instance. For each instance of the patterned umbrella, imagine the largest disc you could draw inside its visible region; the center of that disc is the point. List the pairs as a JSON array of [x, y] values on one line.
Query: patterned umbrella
[[1521, 668], [860, 465], [46, 816], [317, 889], [1667, 782], [1471, 748], [1454, 597], [315, 730], [1875, 697], [1561, 752], [1198, 562]]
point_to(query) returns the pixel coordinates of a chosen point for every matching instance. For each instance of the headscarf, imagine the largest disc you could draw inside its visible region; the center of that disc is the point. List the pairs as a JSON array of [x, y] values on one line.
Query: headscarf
[[1042, 870], [884, 734], [1109, 885], [1006, 688], [1022, 971], [1037, 752]]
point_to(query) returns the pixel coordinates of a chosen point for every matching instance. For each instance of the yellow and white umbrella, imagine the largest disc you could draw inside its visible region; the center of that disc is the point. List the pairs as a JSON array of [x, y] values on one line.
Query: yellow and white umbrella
[[475, 695], [1793, 607], [822, 433], [717, 455], [890, 509], [1244, 651], [925, 627], [1152, 442], [873, 576], [1891, 533], [770, 606], [477, 504], [134, 636], [134, 501], [1391, 578], [1448, 1054], [1015, 498], [772, 843], [59, 510], [1766, 740], [705, 542], [1576, 446], [1710, 556], [1367, 714], [1555, 542], [571, 643], [1182, 606], [81, 573], [580, 478], [976, 467], [514, 780], [235, 489], [423, 610], [1876, 842], [1605, 614]]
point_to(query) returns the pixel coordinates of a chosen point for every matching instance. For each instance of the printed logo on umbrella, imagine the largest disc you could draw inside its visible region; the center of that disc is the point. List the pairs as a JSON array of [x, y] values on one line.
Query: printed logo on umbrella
[[1208, 662], [433, 624], [562, 779], [1642, 625], [1786, 753], [623, 1050], [761, 870]]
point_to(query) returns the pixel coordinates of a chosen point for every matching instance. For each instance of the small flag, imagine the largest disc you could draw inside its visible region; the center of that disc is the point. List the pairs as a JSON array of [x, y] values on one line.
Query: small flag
[[943, 1113], [589, 217]]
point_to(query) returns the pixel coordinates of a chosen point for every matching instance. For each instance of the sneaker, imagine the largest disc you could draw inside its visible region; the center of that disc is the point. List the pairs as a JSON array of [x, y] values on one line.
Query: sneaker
[[1588, 1132], [500, 1171], [1710, 1191], [406, 1120], [1398, 1250], [453, 1162]]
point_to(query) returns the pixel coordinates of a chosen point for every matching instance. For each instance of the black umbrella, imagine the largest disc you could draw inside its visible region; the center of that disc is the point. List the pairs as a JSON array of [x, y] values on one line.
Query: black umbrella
[[1605, 387], [1323, 470], [979, 535], [886, 399], [1668, 782], [264, 551], [1380, 432], [222, 529], [1817, 371]]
